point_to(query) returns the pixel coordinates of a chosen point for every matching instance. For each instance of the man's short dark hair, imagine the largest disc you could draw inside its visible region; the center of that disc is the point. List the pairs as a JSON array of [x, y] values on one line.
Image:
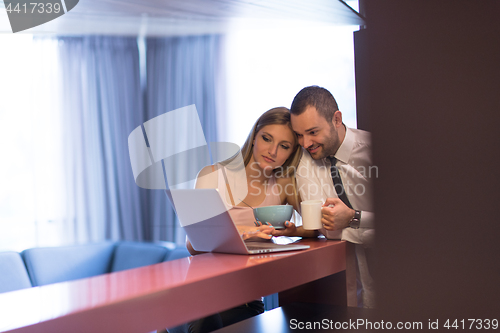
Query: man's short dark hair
[[319, 97]]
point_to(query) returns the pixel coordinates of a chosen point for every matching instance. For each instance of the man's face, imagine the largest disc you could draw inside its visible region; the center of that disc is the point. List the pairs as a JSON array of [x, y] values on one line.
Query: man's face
[[315, 133]]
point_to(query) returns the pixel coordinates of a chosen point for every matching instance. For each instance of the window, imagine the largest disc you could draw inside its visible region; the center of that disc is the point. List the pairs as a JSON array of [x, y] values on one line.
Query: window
[[30, 205], [266, 68]]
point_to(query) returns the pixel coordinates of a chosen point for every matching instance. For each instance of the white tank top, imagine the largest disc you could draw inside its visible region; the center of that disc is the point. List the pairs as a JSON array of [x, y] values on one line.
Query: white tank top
[[244, 215]]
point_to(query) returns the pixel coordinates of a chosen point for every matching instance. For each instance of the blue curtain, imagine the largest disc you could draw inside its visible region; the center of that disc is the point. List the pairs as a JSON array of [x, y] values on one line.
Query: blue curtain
[[102, 104], [180, 71], [103, 101]]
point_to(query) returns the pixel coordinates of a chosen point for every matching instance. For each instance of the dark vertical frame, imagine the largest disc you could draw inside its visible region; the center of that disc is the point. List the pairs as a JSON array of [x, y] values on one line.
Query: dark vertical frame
[[434, 102]]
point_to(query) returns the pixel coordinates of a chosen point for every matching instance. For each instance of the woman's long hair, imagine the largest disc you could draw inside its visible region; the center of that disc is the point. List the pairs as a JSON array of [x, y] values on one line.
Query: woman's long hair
[[275, 116]]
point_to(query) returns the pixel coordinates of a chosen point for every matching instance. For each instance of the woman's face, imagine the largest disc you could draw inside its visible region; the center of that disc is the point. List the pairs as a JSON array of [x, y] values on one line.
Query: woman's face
[[272, 146]]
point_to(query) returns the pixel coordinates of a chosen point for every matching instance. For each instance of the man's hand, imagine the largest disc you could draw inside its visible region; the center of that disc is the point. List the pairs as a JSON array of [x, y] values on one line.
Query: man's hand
[[336, 217]]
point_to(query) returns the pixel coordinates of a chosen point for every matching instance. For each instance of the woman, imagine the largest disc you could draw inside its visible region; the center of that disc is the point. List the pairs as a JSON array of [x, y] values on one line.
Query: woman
[[270, 156]]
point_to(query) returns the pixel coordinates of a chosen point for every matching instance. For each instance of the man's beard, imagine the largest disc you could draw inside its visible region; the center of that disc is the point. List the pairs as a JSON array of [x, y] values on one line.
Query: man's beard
[[328, 148]]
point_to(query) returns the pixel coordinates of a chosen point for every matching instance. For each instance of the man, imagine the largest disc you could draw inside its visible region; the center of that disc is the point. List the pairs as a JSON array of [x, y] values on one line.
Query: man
[[336, 168]]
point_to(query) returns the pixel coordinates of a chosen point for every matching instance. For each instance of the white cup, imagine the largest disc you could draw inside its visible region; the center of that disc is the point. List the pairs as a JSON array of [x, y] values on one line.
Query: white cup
[[311, 214]]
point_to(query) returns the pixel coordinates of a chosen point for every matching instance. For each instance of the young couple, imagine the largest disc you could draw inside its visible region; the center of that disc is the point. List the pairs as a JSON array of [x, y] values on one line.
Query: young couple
[[272, 156]]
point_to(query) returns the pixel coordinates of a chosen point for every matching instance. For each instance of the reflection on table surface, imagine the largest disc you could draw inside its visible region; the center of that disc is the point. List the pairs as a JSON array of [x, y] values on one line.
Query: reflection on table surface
[[162, 284]]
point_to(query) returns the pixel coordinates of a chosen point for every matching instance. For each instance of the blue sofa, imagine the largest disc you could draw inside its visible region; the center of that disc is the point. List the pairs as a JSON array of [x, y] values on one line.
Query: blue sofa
[[46, 265]]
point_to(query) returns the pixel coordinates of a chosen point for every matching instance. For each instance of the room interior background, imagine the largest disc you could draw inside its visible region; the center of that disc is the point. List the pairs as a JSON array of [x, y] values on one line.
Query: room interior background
[[69, 102]]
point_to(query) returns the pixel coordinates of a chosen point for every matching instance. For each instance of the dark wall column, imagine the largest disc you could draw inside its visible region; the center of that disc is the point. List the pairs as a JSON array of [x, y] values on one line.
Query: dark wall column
[[434, 103], [361, 58]]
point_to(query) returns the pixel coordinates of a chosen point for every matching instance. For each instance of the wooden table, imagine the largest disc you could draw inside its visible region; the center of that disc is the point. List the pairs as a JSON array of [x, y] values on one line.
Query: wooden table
[[171, 293]]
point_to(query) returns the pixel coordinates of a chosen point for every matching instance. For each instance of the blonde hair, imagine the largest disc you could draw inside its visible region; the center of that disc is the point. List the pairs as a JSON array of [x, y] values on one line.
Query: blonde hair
[[279, 116]]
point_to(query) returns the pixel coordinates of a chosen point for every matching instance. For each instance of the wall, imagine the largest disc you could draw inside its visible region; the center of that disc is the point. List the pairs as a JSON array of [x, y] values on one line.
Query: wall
[[433, 90]]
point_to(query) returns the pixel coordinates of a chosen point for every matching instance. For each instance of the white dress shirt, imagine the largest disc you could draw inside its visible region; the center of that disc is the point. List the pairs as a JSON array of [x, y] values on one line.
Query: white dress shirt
[[354, 163]]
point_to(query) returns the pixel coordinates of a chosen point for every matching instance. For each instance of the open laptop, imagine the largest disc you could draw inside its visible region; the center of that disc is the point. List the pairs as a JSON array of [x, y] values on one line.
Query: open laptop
[[210, 228]]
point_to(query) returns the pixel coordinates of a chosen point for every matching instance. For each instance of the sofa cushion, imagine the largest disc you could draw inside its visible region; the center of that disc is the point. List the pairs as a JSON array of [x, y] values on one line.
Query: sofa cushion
[[13, 274], [65, 263], [179, 252], [136, 254]]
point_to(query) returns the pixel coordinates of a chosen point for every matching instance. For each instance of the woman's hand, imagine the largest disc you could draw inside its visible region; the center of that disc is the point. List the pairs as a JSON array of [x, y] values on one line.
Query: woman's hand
[[290, 230], [260, 232]]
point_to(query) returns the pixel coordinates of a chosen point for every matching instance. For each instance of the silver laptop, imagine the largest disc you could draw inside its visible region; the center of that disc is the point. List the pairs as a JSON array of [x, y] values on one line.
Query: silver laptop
[[209, 226]]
